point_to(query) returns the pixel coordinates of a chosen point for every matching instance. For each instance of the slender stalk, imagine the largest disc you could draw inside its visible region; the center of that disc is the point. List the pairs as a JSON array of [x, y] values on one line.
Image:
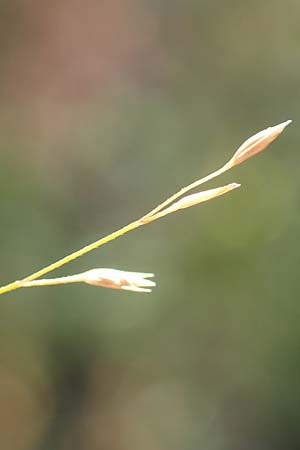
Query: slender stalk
[[186, 189], [54, 281]]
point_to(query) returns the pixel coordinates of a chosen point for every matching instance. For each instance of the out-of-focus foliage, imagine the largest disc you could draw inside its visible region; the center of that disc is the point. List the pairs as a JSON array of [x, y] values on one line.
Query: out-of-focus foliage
[[105, 109]]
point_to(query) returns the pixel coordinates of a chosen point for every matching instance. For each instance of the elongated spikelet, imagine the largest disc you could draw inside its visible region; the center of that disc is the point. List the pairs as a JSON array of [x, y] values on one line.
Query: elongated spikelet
[[257, 143], [195, 199]]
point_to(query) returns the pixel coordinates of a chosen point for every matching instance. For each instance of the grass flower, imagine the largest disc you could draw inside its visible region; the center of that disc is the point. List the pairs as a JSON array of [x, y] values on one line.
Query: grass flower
[[138, 281], [119, 279]]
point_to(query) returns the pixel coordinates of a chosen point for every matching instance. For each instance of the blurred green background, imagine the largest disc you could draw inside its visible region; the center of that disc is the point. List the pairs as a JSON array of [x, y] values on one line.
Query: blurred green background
[[106, 108]]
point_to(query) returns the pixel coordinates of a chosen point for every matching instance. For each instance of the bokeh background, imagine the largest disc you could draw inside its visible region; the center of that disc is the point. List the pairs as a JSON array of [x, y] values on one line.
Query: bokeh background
[[106, 108]]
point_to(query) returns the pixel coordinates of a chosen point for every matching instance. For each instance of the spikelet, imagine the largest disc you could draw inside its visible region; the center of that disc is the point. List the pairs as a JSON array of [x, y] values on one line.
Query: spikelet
[[257, 143], [195, 199], [119, 279]]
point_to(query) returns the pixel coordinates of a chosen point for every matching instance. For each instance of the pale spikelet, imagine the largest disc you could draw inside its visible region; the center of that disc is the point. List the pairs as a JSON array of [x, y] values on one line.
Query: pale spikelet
[[257, 143], [119, 279], [195, 199]]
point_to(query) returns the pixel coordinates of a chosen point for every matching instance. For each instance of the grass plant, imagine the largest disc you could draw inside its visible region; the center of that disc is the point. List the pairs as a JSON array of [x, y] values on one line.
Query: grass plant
[[137, 281]]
